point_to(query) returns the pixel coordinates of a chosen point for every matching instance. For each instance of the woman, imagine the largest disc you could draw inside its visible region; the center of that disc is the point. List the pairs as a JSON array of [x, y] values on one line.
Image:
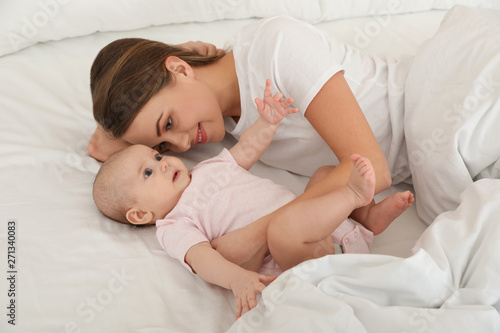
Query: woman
[[171, 99]]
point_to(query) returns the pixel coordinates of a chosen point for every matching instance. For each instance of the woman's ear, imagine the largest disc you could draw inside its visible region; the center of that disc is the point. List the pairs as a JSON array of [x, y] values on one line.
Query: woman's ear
[[138, 216], [178, 66]]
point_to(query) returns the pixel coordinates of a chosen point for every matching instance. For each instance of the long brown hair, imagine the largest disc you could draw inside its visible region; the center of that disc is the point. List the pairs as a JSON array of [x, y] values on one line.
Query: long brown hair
[[127, 73]]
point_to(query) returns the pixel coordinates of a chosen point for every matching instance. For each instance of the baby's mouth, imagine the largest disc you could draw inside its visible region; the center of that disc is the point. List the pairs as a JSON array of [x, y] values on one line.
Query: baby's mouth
[[175, 176]]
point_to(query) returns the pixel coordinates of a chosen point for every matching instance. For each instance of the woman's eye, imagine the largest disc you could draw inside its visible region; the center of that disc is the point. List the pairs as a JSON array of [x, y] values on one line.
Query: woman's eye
[[158, 157], [147, 173], [162, 147], [168, 125]]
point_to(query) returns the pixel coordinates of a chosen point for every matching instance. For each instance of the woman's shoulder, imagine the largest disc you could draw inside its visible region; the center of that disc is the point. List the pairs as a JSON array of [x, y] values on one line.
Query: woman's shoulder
[[277, 32]]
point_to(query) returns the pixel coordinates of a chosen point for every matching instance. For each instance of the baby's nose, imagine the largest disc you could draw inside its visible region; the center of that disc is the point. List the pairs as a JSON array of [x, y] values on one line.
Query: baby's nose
[[164, 164]]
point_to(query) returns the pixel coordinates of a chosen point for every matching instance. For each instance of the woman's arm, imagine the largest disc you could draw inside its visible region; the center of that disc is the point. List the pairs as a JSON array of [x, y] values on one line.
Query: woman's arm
[[337, 117]]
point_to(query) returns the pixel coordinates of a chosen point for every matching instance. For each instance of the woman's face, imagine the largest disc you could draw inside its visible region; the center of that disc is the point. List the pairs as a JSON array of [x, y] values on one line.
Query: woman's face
[[181, 115]]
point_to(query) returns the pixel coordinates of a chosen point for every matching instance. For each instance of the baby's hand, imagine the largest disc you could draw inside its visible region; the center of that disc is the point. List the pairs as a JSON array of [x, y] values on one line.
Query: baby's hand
[[245, 289], [274, 108]]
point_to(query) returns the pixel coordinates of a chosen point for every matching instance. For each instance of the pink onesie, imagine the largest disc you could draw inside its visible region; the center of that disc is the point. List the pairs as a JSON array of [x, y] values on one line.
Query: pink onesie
[[221, 197]]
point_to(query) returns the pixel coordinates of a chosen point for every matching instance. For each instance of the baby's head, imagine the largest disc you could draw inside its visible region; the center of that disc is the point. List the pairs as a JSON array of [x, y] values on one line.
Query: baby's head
[[138, 185]]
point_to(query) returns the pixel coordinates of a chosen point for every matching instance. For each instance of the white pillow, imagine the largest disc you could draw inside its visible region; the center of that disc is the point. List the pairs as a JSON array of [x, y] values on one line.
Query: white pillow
[[452, 117], [27, 22]]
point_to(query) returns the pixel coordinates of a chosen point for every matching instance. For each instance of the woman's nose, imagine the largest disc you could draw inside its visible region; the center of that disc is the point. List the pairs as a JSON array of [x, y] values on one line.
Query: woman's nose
[[181, 142]]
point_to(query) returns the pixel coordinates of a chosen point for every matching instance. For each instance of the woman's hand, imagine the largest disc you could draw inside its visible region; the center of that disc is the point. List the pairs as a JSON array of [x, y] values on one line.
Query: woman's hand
[[102, 145], [205, 49]]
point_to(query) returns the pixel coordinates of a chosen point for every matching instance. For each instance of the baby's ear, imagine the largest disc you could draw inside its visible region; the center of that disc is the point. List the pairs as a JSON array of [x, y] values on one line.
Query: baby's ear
[[138, 216]]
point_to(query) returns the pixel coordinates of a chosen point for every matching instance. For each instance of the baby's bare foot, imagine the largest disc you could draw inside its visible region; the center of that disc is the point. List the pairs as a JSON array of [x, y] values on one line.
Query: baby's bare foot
[[382, 214], [362, 180]]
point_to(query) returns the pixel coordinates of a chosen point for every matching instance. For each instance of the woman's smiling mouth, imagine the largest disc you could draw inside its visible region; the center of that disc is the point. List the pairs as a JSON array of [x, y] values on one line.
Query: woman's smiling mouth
[[202, 135]]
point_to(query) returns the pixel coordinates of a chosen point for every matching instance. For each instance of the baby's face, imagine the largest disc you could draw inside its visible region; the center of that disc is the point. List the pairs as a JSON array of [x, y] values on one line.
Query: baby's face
[[156, 181]]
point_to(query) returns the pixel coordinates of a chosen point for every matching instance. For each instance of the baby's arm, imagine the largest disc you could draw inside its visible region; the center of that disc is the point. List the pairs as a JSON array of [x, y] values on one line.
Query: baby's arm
[[255, 140], [211, 266]]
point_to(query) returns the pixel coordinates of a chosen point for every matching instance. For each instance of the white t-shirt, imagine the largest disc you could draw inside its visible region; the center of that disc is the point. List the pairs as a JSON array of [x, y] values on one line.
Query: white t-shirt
[[299, 59], [221, 197]]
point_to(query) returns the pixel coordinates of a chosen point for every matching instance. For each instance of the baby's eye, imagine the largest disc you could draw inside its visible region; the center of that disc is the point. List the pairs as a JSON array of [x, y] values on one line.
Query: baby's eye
[[168, 125], [158, 157], [147, 173]]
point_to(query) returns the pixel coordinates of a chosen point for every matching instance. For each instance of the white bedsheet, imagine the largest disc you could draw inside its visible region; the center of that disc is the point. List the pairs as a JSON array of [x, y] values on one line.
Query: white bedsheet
[[76, 271]]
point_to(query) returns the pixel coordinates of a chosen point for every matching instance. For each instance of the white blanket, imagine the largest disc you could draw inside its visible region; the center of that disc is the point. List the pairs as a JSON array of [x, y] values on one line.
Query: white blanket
[[452, 112], [449, 284]]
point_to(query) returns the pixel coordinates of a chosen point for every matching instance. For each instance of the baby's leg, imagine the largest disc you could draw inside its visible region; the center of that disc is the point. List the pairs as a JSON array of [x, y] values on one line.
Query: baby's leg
[[319, 175], [377, 217], [303, 230], [374, 217], [247, 246]]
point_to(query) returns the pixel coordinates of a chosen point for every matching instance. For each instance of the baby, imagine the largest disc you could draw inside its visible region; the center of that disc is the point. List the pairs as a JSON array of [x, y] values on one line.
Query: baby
[[192, 207]]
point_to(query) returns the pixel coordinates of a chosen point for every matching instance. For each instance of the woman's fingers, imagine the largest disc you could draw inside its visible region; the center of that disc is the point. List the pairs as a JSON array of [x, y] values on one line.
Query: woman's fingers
[[202, 48]]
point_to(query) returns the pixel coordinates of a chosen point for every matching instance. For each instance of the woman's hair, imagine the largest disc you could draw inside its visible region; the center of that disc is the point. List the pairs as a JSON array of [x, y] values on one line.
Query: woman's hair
[[127, 73]]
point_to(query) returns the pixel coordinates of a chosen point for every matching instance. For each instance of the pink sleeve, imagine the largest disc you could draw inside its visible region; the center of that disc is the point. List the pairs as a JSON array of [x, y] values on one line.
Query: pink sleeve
[[177, 237]]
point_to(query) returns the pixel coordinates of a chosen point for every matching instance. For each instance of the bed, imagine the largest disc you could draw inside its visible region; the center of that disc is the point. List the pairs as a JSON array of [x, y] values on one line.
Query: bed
[[67, 268]]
